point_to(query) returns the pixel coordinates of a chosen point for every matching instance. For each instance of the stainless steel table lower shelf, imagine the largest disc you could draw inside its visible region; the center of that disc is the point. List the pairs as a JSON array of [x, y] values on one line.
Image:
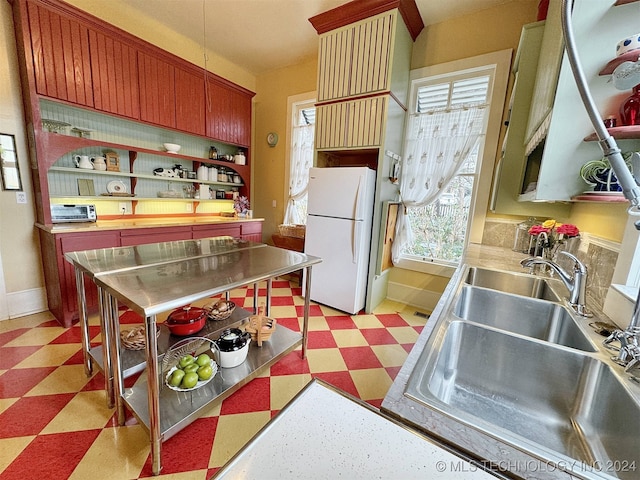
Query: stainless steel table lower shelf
[[179, 409], [134, 361]]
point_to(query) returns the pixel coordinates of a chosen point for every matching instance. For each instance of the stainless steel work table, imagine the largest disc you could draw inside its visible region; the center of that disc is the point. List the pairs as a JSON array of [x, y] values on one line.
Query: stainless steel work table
[[154, 289], [97, 262]]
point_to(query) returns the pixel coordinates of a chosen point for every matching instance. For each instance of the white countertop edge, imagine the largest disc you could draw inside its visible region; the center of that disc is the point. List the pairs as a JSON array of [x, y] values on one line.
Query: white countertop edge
[[324, 433]]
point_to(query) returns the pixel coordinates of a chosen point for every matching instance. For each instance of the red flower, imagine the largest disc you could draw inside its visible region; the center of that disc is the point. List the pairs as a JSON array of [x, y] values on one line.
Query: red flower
[[538, 229], [568, 230]]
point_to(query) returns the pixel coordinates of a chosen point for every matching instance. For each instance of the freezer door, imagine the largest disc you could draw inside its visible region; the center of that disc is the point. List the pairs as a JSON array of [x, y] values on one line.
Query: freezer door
[[344, 192], [340, 280]]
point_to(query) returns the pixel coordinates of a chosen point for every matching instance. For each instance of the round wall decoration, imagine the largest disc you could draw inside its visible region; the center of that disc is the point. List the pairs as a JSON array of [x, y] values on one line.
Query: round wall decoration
[[272, 139]]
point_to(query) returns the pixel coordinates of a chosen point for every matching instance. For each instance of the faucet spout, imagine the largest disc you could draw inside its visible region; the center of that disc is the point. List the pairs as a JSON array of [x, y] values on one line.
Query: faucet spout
[[576, 283]]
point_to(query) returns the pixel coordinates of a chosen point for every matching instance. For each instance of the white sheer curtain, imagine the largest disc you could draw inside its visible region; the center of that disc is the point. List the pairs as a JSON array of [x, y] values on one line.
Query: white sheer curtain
[[301, 162], [437, 146]]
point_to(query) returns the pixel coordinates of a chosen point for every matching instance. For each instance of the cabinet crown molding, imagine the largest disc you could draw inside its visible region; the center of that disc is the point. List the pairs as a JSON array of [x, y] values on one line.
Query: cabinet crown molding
[[360, 9]]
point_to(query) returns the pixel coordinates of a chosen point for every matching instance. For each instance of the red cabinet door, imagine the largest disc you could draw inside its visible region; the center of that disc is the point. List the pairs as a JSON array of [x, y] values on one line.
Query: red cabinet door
[[252, 231], [114, 66], [74, 243], [156, 81], [139, 236], [206, 231], [60, 48], [190, 101], [228, 113]]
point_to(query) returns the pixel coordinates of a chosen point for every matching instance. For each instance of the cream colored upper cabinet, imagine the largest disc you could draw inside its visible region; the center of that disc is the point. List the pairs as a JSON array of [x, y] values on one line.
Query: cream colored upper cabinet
[[552, 168], [356, 59], [544, 90]]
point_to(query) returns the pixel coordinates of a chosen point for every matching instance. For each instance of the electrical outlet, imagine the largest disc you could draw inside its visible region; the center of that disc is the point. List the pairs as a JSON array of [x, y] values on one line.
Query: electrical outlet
[[21, 197], [124, 208], [273, 204]]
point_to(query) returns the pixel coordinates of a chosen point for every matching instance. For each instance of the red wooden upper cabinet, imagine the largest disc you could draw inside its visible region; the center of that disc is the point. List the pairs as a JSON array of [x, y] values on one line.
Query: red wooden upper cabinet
[[114, 65], [190, 101], [157, 90], [228, 113], [60, 47]]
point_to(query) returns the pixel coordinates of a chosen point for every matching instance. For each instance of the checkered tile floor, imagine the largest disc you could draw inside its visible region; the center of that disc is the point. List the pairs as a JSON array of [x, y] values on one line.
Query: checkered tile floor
[[54, 423]]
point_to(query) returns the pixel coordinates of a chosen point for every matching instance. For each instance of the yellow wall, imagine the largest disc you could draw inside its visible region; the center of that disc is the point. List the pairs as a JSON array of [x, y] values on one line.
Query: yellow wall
[[19, 247], [271, 116], [489, 30]]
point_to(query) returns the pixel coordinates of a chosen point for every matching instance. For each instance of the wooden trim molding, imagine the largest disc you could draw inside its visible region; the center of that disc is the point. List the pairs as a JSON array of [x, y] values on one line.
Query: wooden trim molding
[[360, 9]]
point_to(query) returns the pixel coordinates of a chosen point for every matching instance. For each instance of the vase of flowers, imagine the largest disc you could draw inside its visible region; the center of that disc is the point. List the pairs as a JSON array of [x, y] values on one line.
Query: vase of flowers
[[551, 236], [241, 206]]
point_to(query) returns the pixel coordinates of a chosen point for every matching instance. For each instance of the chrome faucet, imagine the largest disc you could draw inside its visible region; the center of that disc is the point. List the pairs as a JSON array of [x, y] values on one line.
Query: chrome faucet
[[629, 351], [576, 283]]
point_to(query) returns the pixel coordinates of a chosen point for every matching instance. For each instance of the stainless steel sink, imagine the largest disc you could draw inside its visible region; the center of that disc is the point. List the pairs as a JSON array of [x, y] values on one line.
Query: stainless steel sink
[[511, 282], [556, 403], [525, 316]]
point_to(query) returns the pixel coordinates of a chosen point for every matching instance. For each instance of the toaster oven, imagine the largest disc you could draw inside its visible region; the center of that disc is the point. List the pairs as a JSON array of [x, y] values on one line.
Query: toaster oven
[[73, 213]]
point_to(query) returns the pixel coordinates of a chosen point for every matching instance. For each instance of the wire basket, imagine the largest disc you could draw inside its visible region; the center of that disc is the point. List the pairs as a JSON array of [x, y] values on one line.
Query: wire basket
[[297, 231], [186, 346]]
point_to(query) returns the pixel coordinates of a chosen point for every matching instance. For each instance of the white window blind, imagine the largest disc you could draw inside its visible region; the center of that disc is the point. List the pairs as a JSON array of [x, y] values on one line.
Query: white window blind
[[458, 93]]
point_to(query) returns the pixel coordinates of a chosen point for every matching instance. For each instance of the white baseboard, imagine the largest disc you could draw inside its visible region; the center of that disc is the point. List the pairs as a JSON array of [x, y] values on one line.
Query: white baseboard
[[26, 302], [416, 297]]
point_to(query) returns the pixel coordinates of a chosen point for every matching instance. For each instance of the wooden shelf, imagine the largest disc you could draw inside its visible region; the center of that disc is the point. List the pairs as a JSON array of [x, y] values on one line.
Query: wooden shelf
[[624, 2], [626, 57], [619, 133], [141, 175]]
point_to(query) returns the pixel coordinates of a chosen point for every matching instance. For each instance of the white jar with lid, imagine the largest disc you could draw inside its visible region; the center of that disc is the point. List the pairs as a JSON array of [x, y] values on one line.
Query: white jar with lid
[[213, 174], [202, 172], [239, 158]]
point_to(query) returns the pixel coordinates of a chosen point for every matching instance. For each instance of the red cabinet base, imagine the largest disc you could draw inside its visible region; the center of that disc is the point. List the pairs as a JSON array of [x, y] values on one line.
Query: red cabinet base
[[59, 275]]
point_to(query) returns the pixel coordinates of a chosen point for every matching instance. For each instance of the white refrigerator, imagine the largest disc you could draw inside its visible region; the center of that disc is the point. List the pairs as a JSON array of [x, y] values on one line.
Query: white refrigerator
[[339, 219]]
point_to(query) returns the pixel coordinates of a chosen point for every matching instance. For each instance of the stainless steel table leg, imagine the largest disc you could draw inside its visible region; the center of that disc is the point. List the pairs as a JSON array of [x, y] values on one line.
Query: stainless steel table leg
[[153, 386], [269, 287], [255, 298], [305, 321], [116, 367], [84, 322], [105, 330]]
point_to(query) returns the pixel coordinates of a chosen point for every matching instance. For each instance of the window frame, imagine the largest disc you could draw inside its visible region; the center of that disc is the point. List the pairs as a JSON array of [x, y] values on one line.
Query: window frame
[[499, 65]]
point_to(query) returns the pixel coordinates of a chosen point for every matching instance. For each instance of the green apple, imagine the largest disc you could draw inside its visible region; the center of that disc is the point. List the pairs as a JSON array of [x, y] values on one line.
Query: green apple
[[203, 359], [186, 360], [192, 367], [190, 379], [204, 373], [176, 377]]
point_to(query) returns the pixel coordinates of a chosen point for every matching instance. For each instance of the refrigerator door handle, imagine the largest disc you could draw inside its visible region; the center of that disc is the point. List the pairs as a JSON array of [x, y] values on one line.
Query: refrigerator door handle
[[357, 207], [355, 241]]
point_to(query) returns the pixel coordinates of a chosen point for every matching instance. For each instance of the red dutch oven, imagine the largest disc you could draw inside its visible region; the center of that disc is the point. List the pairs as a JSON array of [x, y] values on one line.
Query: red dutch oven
[[186, 320]]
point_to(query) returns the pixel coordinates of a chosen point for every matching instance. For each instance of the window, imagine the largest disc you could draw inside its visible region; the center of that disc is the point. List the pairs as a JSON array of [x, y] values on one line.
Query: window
[[444, 227], [301, 143], [440, 227]]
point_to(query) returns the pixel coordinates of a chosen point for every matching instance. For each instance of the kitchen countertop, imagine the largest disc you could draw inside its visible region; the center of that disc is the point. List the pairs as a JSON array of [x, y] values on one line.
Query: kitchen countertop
[[324, 433], [485, 447], [125, 224]]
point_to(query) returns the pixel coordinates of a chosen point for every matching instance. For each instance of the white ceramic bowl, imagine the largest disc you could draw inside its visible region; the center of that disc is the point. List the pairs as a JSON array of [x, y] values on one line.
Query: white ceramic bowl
[[628, 44], [171, 147]]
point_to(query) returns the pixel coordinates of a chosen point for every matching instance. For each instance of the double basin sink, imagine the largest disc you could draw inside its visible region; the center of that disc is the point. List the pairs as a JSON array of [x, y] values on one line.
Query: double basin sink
[[508, 358]]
